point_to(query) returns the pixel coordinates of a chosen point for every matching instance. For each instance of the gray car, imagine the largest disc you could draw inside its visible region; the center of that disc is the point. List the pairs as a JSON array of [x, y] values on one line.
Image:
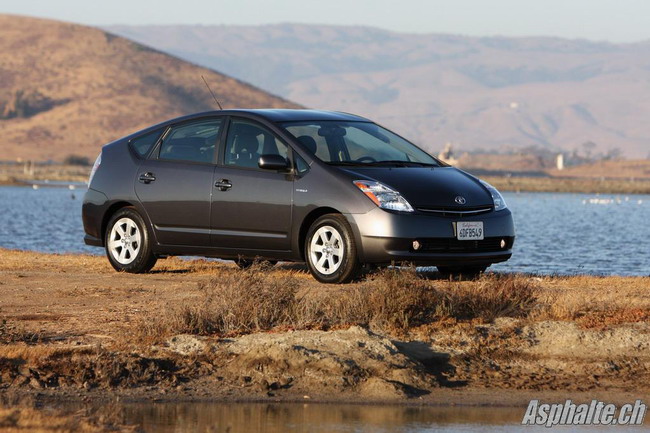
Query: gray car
[[334, 190]]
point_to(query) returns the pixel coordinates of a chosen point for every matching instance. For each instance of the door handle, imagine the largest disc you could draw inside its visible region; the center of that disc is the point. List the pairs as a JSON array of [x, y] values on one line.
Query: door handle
[[147, 177], [223, 184]]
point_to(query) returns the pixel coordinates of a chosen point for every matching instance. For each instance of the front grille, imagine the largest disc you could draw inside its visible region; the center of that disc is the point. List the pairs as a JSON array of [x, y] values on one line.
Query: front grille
[[455, 212], [451, 245]]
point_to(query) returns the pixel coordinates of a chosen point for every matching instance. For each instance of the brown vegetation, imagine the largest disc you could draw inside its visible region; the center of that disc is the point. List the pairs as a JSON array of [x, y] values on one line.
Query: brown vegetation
[[572, 185], [18, 174], [392, 300], [195, 326]]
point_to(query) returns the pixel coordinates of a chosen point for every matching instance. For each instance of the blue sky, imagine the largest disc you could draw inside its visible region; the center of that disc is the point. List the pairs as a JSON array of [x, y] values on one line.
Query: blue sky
[[612, 20]]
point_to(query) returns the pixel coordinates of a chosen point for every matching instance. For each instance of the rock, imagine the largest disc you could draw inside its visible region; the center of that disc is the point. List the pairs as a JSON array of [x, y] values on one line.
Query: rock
[[185, 344], [324, 361], [376, 387]]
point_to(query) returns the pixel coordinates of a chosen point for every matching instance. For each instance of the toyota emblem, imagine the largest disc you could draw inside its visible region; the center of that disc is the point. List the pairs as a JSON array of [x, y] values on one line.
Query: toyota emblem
[[460, 199]]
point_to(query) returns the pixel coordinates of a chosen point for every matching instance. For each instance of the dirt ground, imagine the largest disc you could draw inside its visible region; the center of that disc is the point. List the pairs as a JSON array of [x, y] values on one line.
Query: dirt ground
[[72, 327]]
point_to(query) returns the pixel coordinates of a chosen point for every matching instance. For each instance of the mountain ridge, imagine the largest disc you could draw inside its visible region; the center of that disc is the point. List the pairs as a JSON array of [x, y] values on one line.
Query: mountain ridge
[[480, 93], [69, 89]]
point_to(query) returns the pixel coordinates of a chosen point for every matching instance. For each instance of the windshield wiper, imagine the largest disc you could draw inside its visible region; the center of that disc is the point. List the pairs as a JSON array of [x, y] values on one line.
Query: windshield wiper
[[401, 163], [393, 162]]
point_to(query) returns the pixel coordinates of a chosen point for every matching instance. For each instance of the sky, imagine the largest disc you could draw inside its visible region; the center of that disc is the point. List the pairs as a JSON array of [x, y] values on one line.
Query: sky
[[602, 20]]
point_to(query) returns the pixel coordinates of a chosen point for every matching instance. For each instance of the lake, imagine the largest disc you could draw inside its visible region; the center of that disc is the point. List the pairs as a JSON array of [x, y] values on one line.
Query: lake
[[556, 233]]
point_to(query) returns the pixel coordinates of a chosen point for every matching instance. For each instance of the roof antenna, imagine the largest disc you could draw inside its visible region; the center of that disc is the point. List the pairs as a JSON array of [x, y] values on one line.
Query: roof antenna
[[212, 93]]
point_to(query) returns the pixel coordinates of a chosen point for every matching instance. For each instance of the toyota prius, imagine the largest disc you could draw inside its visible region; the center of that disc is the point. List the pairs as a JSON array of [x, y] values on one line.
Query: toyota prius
[[333, 190]]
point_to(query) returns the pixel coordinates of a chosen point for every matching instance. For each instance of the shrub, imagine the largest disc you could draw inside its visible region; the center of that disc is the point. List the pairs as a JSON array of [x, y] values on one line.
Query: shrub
[[394, 299]]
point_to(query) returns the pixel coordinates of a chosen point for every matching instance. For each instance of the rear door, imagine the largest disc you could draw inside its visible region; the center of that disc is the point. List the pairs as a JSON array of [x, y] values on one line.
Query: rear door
[[175, 184], [251, 207]]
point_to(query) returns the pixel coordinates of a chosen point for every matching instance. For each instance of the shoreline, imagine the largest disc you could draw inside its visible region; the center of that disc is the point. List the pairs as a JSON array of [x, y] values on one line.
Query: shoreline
[[445, 398], [73, 329]]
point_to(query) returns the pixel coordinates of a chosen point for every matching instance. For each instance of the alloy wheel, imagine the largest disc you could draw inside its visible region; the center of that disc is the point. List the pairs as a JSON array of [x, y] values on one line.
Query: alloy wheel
[[326, 250], [125, 241]]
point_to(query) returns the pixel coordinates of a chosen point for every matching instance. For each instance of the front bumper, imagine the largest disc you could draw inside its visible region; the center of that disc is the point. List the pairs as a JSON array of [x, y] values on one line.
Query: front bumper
[[385, 237]]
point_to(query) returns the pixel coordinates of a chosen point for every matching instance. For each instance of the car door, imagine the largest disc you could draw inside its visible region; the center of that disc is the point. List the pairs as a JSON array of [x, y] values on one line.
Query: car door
[[175, 184], [251, 207]]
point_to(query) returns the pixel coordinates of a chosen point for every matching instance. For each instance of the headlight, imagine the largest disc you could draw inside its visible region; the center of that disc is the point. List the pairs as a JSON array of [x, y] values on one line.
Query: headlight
[[383, 196], [497, 198]]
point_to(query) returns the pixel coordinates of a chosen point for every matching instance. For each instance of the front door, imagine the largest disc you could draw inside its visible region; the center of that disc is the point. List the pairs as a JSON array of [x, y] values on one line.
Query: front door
[[251, 207], [175, 185]]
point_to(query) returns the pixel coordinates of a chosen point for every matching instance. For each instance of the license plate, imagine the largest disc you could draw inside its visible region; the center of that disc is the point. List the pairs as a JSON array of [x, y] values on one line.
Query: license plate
[[469, 230]]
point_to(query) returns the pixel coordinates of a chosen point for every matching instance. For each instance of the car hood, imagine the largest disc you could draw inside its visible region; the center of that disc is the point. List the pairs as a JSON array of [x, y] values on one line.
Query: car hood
[[428, 187]]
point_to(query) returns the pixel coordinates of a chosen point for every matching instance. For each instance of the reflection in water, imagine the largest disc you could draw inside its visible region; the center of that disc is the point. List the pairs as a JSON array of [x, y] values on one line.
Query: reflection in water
[[319, 418], [313, 418], [556, 233]]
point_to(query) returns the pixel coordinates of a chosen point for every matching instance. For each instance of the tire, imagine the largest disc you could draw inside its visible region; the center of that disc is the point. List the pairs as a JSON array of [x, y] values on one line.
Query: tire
[[330, 250], [128, 242], [462, 271]]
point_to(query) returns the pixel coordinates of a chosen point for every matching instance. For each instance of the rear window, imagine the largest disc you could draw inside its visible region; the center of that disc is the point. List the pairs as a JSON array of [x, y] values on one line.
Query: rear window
[[143, 144]]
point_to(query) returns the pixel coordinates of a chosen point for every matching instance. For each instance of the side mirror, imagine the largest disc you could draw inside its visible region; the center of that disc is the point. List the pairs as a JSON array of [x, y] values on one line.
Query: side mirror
[[273, 162]]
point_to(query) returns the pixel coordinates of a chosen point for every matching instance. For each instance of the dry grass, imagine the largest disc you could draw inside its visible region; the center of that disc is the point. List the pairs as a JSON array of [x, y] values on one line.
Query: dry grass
[[14, 174], [572, 185], [245, 301], [594, 302], [13, 333], [392, 300], [86, 367]]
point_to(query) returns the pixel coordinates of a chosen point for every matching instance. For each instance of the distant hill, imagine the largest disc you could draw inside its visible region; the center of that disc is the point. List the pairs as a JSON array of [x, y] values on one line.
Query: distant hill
[[69, 89], [493, 93]]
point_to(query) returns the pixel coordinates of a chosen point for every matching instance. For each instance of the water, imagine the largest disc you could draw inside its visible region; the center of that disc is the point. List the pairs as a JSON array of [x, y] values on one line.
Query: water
[[327, 418], [559, 233], [556, 233]]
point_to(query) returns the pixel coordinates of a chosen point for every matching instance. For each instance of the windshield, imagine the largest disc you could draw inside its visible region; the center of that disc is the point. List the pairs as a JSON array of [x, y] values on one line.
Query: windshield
[[357, 143]]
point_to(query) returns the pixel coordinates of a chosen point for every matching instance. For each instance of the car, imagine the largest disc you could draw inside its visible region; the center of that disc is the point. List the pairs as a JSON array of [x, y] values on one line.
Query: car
[[331, 189]]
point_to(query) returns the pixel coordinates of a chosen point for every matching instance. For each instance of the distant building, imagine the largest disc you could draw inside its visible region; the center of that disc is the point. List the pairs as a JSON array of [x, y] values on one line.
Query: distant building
[[559, 161]]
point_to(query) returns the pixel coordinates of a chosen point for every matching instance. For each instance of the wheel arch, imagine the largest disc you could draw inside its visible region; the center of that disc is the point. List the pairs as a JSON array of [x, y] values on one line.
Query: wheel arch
[[109, 213], [308, 221]]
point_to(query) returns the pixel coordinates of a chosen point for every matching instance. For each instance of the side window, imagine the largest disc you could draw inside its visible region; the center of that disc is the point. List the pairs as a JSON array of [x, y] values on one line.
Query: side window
[[247, 141], [143, 144], [194, 142]]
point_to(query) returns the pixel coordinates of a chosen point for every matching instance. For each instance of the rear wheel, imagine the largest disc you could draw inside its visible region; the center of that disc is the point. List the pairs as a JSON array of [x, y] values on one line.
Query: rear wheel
[[330, 250], [462, 271], [128, 244]]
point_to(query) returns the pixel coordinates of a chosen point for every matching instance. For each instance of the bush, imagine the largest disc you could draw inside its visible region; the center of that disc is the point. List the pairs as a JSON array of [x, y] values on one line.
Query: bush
[[394, 299], [76, 160]]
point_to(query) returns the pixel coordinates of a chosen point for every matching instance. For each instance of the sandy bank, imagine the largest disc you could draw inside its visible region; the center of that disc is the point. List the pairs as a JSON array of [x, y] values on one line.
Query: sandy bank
[[73, 327]]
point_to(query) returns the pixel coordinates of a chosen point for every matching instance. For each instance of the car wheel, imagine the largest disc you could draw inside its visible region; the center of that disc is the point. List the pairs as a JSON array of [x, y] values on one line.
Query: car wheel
[[330, 250], [128, 244], [463, 271]]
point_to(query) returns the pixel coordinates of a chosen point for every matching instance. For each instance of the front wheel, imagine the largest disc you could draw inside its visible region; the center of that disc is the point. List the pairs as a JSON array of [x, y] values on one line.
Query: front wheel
[[330, 250], [128, 245]]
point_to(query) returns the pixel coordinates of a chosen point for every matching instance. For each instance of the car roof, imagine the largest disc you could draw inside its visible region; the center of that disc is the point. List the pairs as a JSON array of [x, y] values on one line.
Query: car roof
[[270, 114], [286, 115]]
